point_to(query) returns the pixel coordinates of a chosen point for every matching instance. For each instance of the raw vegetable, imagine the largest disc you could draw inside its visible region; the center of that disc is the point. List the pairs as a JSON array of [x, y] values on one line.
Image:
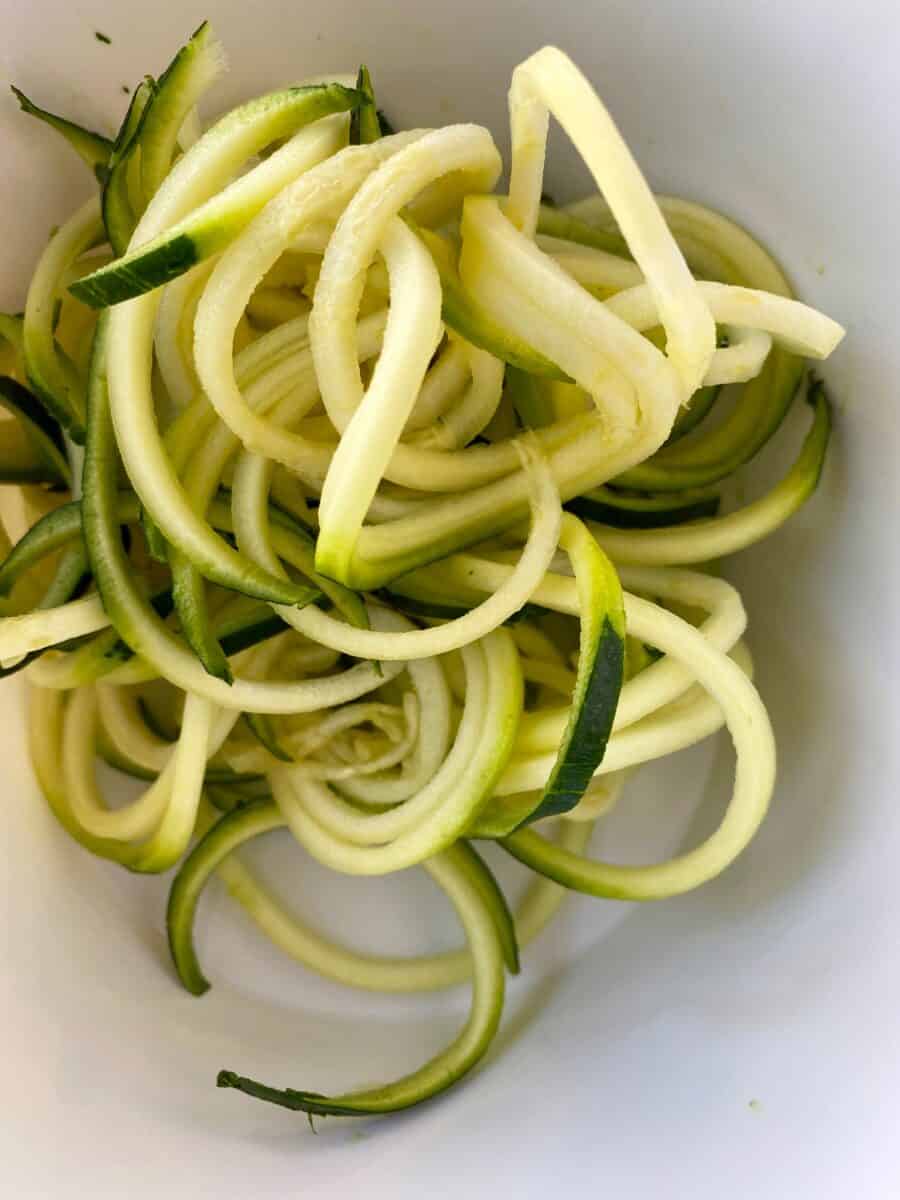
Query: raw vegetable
[[387, 490], [92, 147]]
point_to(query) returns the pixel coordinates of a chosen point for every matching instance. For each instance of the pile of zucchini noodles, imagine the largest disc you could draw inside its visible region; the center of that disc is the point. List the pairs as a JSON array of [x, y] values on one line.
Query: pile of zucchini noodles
[[342, 462]]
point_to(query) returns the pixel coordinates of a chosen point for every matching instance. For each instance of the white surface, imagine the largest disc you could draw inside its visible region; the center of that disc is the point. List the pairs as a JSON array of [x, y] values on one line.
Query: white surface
[[780, 982]]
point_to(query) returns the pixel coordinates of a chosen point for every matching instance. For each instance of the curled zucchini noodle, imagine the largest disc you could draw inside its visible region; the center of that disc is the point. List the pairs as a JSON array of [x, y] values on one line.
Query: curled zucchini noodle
[[389, 486]]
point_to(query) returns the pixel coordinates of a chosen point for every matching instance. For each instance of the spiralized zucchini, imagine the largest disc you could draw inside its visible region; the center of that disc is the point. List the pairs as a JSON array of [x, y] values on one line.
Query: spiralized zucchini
[[389, 483]]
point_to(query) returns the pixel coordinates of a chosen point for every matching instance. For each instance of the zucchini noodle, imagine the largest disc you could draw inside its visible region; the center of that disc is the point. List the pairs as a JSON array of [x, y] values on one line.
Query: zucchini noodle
[[549, 82], [51, 373], [388, 492]]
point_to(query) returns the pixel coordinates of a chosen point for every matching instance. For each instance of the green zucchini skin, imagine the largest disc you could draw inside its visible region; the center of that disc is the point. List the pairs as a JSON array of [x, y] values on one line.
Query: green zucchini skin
[[774, 390], [689, 418], [365, 126], [155, 114], [49, 463], [157, 545], [115, 204], [716, 537], [623, 510], [253, 633], [384, 124], [190, 601], [347, 602], [811, 463], [193, 70], [115, 759], [234, 636], [53, 530], [765, 403], [426, 610], [92, 148], [556, 223], [601, 672], [53, 377], [766, 400], [261, 727], [495, 900], [64, 524], [118, 651], [200, 235], [592, 725], [189, 594], [230, 831], [251, 819], [422, 609], [235, 572], [502, 816], [462, 313], [451, 1065], [162, 265], [67, 583], [99, 506], [226, 796]]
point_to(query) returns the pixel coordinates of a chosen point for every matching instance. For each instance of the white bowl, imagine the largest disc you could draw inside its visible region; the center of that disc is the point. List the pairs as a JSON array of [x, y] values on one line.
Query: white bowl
[[741, 1041]]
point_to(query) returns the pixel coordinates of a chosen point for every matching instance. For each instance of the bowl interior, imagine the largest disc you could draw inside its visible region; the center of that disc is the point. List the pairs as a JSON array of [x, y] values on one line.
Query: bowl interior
[[741, 1031]]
